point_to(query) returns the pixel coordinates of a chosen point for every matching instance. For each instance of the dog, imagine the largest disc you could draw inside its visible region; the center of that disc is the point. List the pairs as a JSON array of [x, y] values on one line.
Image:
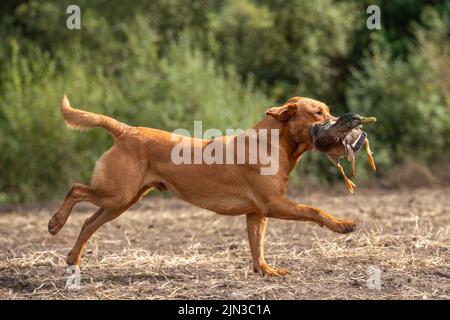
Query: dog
[[140, 160]]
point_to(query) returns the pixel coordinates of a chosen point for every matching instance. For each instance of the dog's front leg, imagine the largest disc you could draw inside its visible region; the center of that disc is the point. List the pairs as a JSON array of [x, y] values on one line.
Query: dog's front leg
[[256, 227], [283, 208]]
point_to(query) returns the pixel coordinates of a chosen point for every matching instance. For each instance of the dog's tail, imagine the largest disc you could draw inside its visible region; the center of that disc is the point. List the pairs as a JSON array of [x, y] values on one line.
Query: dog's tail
[[79, 119]]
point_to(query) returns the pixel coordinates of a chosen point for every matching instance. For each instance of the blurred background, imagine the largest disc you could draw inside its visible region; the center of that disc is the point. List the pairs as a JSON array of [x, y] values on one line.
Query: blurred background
[[166, 63]]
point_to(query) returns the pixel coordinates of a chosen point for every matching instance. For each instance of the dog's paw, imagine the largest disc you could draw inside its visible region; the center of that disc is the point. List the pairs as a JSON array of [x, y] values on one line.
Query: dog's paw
[[345, 226], [55, 224], [266, 270], [73, 258]]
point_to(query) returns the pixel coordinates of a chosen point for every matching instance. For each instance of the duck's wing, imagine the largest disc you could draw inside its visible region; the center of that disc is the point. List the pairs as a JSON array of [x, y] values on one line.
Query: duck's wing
[[355, 138], [325, 141], [325, 138], [359, 141]]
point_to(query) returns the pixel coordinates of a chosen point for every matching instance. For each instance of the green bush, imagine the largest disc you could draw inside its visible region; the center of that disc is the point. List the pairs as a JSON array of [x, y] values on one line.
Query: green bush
[[40, 157], [410, 98], [165, 64], [290, 47]]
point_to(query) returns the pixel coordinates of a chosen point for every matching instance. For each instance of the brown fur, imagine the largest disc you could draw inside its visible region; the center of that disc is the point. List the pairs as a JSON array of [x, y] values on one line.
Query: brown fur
[[140, 160]]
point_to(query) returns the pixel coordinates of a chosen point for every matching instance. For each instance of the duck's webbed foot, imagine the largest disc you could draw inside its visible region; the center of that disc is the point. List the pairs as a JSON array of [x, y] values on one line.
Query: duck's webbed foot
[[370, 155], [349, 183]]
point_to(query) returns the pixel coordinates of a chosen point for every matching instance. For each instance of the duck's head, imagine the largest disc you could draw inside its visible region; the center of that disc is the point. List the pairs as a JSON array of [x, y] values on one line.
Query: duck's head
[[350, 120]]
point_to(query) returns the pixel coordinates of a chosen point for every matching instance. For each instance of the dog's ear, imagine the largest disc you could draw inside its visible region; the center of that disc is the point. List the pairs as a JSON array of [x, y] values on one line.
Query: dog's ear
[[283, 112]]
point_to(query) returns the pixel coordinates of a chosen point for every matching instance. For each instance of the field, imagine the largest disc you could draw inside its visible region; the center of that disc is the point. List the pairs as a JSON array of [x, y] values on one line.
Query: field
[[166, 249]]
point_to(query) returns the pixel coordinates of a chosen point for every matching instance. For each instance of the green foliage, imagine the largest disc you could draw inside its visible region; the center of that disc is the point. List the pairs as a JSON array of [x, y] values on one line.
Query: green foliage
[[166, 63], [411, 97], [289, 46], [39, 153]]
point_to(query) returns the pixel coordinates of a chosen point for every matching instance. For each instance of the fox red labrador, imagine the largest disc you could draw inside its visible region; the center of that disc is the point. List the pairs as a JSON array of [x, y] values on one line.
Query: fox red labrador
[[141, 159]]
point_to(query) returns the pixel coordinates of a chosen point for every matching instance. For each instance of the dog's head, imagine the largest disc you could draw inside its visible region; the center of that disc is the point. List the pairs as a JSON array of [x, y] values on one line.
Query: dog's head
[[298, 115]]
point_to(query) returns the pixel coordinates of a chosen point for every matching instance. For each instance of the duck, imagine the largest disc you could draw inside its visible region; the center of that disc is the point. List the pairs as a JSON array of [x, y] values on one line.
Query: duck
[[341, 138]]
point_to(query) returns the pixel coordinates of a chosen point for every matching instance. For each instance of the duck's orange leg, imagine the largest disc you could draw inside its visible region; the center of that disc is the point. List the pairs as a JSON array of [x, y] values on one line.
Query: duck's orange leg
[[349, 183], [370, 155]]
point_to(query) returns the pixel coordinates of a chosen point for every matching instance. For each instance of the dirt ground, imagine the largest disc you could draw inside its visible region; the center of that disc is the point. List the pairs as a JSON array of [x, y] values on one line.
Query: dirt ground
[[167, 249]]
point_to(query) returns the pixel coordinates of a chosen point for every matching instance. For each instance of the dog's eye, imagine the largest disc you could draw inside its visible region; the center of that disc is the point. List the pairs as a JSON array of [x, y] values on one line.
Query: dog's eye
[[319, 113]]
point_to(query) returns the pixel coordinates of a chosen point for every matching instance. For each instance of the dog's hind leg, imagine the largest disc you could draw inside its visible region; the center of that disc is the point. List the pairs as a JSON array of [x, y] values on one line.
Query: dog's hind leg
[[60, 217], [256, 227], [117, 178], [92, 224], [78, 193]]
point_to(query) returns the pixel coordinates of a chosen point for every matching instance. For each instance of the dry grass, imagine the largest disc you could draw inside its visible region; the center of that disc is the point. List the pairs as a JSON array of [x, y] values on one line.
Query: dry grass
[[165, 249]]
